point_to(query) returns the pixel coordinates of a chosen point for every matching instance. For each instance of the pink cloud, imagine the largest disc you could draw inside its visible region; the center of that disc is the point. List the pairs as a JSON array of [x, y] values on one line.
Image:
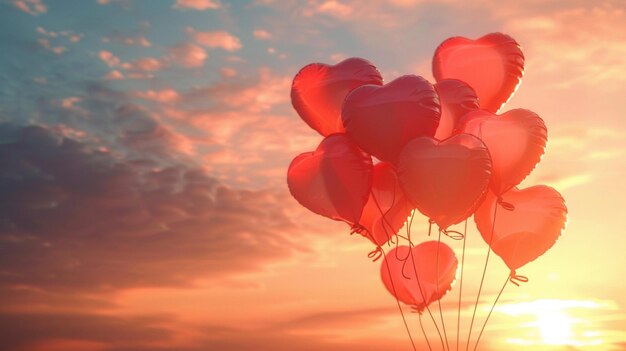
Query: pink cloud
[[139, 40], [146, 64], [139, 66], [163, 96], [32, 7], [228, 72], [114, 75], [217, 39], [199, 5], [335, 9], [188, 55], [262, 34], [45, 43], [69, 102], [109, 58]]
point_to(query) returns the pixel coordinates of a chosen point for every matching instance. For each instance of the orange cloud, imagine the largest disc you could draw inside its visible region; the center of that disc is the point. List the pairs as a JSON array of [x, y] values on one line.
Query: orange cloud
[[45, 43], [217, 39], [164, 96], [139, 40], [262, 34], [199, 5], [228, 72], [188, 55], [114, 75], [32, 7]]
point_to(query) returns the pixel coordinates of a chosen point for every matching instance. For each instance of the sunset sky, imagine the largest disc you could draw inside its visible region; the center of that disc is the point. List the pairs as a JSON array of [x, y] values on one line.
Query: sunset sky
[[143, 155]]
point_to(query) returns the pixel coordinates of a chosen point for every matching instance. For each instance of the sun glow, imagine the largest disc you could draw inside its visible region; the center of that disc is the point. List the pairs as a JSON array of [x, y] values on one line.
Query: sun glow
[[555, 322], [555, 327]]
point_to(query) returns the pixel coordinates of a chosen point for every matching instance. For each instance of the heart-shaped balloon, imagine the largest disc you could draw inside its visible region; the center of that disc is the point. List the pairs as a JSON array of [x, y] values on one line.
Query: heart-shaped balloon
[[445, 180], [456, 99], [387, 208], [527, 230], [516, 141], [493, 65], [433, 280], [383, 119], [334, 180], [318, 91]]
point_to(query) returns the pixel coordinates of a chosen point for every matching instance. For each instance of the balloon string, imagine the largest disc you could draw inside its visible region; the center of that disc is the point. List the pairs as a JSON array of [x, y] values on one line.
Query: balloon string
[[443, 325], [382, 252], [393, 287], [408, 234], [492, 307], [419, 286], [424, 331], [458, 319], [482, 279]]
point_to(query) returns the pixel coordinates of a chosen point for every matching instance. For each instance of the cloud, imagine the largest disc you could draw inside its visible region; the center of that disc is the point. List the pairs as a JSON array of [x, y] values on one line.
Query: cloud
[[109, 58], [335, 9], [74, 218], [188, 55], [45, 43], [217, 39], [579, 44], [138, 40], [114, 75], [262, 34], [162, 96], [32, 7], [228, 72], [199, 5], [140, 68], [34, 330]]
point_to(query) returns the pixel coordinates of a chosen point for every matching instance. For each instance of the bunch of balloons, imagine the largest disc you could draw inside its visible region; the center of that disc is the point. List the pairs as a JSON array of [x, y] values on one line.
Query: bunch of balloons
[[441, 149]]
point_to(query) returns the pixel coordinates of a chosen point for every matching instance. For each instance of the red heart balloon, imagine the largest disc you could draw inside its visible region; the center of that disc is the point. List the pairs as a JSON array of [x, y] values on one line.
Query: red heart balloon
[[527, 231], [445, 180], [387, 208], [493, 65], [516, 141], [318, 91], [334, 180], [383, 119], [433, 280], [456, 99]]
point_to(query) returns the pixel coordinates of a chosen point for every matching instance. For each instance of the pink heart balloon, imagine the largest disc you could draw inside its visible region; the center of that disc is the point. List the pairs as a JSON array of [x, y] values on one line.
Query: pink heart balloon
[[527, 231], [433, 280], [318, 91], [516, 141], [333, 181], [457, 99], [445, 180], [387, 208], [493, 65], [383, 119]]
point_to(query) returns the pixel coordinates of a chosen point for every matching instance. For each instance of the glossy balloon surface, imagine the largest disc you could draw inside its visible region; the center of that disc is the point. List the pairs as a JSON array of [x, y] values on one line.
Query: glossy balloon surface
[[334, 180], [457, 98], [526, 232], [318, 91], [420, 280], [492, 65], [445, 180], [387, 208], [381, 120], [516, 141]]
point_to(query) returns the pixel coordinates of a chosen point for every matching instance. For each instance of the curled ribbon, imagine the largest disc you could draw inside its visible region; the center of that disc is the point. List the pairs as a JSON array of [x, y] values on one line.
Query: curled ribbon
[[505, 205], [517, 279]]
